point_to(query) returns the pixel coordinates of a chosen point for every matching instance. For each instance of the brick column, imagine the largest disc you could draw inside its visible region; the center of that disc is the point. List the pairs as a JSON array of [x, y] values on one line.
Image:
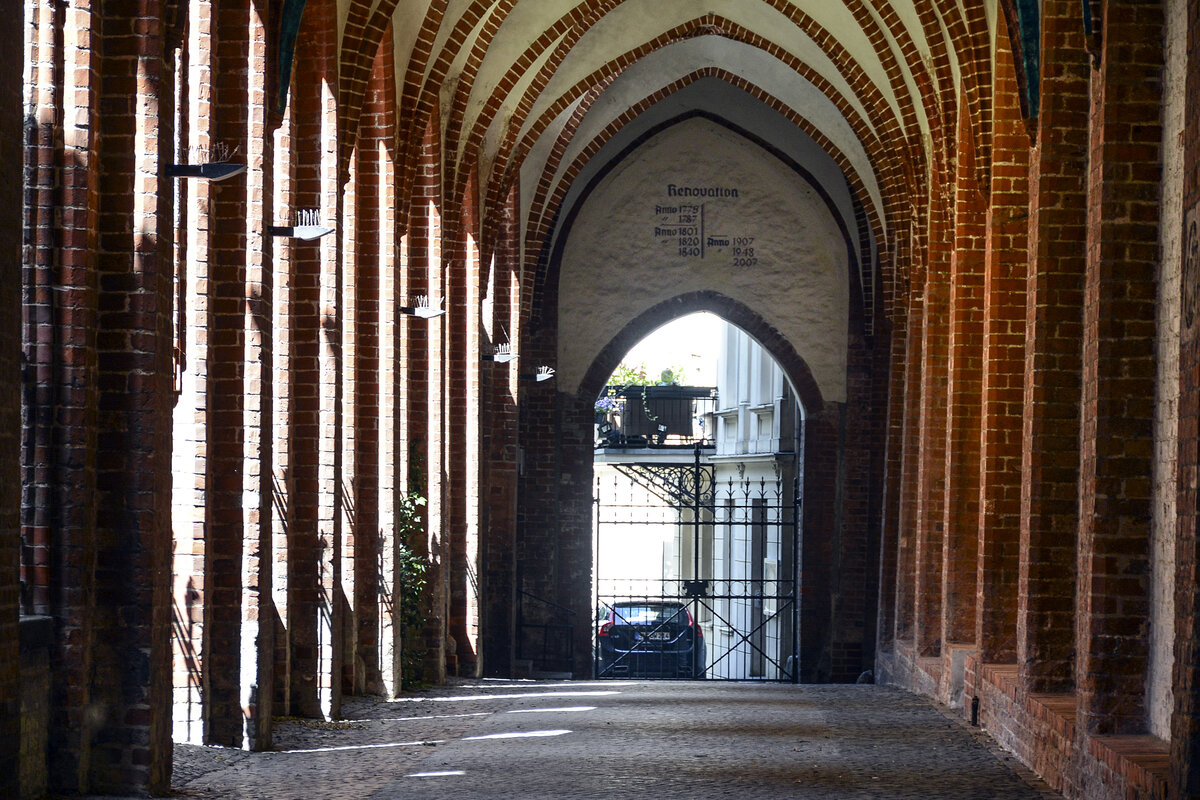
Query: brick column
[[820, 536], [929, 532], [965, 394], [285, 409], [224, 356], [372, 258], [1004, 369], [331, 365], [1185, 721], [908, 497], [12, 29], [1054, 325], [58, 508], [309, 449], [134, 343], [425, 369], [1118, 370], [498, 507], [461, 409], [889, 548], [188, 449]]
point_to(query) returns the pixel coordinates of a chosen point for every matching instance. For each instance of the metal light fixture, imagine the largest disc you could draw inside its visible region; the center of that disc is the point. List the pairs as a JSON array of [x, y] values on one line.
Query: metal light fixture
[[213, 171], [502, 354], [542, 374], [308, 226], [215, 164], [419, 306]]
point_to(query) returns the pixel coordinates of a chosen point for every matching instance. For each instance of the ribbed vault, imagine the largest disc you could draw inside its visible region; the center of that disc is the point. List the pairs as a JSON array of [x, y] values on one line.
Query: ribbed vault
[[525, 93]]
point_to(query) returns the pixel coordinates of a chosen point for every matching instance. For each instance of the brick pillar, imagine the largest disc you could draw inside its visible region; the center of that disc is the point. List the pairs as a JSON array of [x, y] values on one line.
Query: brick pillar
[[58, 508], [12, 29], [889, 548], [1054, 320], [236, 381], [315, 330], [498, 507], [354, 224], [390, 459], [425, 378], [371, 256], [819, 536], [461, 406], [929, 531], [965, 394], [132, 662], [1118, 370], [286, 409], [1185, 721], [573, 570], [189, 448], [1004, 369], [906, 547]]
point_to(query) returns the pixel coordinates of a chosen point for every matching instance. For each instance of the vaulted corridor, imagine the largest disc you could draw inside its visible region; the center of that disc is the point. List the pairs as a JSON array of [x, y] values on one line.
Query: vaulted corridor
[[305, 308]]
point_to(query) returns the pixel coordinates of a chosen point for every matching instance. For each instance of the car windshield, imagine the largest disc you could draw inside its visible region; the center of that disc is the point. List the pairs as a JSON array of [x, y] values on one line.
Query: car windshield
[[643, 613]]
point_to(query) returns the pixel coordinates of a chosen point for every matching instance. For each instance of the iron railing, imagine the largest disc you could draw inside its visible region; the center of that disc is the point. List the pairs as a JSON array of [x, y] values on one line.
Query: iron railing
[[656, 416]]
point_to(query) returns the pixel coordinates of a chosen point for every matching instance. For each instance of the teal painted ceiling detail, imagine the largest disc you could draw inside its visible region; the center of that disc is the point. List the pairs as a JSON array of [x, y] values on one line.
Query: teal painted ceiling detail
[[289, 29]]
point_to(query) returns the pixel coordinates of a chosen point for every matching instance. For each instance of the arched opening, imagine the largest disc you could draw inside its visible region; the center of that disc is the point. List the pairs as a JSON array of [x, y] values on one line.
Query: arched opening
[[698, 215], [696, 498]]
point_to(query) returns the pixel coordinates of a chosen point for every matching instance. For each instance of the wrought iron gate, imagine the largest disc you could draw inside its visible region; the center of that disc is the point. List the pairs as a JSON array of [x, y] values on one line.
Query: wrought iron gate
[[725, 603]]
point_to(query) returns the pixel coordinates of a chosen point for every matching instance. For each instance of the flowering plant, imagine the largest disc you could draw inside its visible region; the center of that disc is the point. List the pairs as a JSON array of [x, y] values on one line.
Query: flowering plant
[[605, 404]]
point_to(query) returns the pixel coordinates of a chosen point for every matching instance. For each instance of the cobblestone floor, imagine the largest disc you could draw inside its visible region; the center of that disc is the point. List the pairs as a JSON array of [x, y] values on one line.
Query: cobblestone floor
[[492, 739]]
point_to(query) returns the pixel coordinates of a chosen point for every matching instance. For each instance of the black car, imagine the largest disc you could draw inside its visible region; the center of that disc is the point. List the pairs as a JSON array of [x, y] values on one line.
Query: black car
[[649, 639]]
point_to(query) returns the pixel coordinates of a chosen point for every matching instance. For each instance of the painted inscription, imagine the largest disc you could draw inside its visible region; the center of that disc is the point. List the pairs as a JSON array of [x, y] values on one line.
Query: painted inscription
[[681, 223]]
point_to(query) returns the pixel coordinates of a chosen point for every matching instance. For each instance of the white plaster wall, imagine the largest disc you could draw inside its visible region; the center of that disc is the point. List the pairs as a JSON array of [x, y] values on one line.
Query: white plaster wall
[[616, 265], [675, 61], [1159, 698], [717, 97], [404, 36]]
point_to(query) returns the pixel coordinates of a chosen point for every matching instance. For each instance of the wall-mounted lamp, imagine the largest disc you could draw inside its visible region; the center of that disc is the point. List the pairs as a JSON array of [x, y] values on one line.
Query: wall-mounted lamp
[[210, 172], [215, 164], [542, 374], [502, 354], [419, 307], [308, 226]]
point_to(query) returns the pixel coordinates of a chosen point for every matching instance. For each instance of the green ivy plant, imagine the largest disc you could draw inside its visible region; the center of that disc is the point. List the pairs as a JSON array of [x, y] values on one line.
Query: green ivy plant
[[411, 568]]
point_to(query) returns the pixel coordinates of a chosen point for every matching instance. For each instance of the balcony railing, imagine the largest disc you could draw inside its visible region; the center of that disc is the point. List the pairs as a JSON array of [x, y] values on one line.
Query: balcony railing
[[656, 416]]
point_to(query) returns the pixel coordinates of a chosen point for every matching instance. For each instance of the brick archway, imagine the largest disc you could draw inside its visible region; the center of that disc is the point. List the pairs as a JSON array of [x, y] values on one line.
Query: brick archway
[[555, 516], [798, 373]]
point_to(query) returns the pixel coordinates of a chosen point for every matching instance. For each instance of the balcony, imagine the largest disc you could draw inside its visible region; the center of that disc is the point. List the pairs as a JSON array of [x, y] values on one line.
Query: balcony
[[658, 417]]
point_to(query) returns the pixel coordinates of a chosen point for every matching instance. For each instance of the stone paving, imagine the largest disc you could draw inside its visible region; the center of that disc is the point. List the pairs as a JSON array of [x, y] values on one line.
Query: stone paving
[[538, 739]]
